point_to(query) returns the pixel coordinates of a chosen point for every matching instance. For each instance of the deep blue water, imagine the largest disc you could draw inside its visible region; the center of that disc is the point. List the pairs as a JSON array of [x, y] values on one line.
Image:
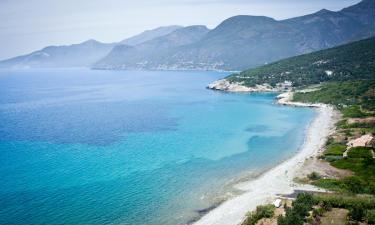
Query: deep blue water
[[118, 147]]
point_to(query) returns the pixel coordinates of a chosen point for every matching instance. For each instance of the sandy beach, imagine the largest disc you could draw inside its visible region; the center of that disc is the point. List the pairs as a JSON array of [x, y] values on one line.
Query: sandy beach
[[279, 180]]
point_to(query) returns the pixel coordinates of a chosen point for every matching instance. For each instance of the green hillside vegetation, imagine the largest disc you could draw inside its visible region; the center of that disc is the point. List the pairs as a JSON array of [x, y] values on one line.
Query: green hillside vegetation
[[343, 94], [355, 61]]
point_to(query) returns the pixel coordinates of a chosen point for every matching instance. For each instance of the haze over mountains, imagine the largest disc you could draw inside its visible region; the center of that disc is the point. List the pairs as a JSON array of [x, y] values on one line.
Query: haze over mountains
[[76, 55], [84, 54], [238, 43]]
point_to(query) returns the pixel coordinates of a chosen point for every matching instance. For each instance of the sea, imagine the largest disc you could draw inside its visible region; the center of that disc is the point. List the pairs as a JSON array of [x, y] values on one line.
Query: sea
[[81, 146]]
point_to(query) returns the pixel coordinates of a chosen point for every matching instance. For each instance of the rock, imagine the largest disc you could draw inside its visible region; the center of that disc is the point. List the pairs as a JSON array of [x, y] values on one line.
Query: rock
[[225, 85]]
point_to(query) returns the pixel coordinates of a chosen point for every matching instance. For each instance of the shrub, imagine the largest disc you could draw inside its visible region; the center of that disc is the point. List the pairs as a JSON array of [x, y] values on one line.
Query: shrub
[[327, 206], [296, 215], [314, 176], [370, 216], [290, 218], [262, 211], [265, 211], [318, 212], [357, 212]]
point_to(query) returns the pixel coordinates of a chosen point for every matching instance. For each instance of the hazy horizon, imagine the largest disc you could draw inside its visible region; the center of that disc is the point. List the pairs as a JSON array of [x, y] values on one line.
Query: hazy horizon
[[32, 25]]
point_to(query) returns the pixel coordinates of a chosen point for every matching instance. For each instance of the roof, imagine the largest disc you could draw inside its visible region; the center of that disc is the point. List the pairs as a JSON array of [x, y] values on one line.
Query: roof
[[364, 141]]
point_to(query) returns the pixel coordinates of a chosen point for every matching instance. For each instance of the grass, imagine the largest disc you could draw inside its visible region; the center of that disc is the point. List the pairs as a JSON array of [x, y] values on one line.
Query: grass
[[359, 161], [364, 167], [345, 201], [353, 111], [342, 124], [351, 185], [360, 152], [329, 184], [368, 130], [361, 125], [335, 149]]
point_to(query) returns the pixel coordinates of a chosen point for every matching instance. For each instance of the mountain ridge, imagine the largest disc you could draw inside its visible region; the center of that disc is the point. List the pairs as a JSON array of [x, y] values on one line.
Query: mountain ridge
[[149, 35], [237, 43], [243, 41]]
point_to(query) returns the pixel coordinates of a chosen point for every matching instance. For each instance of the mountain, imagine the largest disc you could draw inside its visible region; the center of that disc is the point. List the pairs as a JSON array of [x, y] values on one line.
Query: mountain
[[238, 43], [349, 62], [76, 55], [148, 54], [242, 42], [149, 35], [84, 54], [364, 12]]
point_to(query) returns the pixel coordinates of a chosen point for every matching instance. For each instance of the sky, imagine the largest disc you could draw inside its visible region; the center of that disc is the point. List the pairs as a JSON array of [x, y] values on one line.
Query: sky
[[29, 25]]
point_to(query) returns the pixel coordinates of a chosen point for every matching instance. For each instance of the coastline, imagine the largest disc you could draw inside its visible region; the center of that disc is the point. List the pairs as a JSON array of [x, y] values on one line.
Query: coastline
[[278, 180]]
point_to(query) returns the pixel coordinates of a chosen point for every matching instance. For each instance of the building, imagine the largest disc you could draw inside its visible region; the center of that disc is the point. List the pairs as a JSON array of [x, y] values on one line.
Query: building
[[364, 141]]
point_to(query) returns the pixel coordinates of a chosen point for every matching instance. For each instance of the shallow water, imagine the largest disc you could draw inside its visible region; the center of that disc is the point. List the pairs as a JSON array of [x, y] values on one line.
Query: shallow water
[[80, 146]]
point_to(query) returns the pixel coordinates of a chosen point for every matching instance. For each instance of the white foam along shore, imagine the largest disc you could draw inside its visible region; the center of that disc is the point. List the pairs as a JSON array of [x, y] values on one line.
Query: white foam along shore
[[279, 180]]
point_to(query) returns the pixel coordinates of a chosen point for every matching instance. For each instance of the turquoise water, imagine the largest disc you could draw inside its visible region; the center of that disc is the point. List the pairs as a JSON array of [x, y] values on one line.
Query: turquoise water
[[119, 147]]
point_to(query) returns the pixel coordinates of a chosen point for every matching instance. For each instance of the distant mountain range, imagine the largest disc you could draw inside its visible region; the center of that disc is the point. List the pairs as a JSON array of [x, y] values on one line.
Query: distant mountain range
[[77, 55], [84, 54], [238, 43], [243, 42]]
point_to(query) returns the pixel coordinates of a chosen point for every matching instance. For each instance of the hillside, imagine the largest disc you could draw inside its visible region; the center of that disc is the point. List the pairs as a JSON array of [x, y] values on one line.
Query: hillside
[[347, 62]]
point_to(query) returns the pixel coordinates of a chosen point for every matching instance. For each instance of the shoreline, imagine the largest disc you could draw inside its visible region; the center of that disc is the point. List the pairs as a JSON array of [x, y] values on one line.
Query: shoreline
[[278, 180]]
